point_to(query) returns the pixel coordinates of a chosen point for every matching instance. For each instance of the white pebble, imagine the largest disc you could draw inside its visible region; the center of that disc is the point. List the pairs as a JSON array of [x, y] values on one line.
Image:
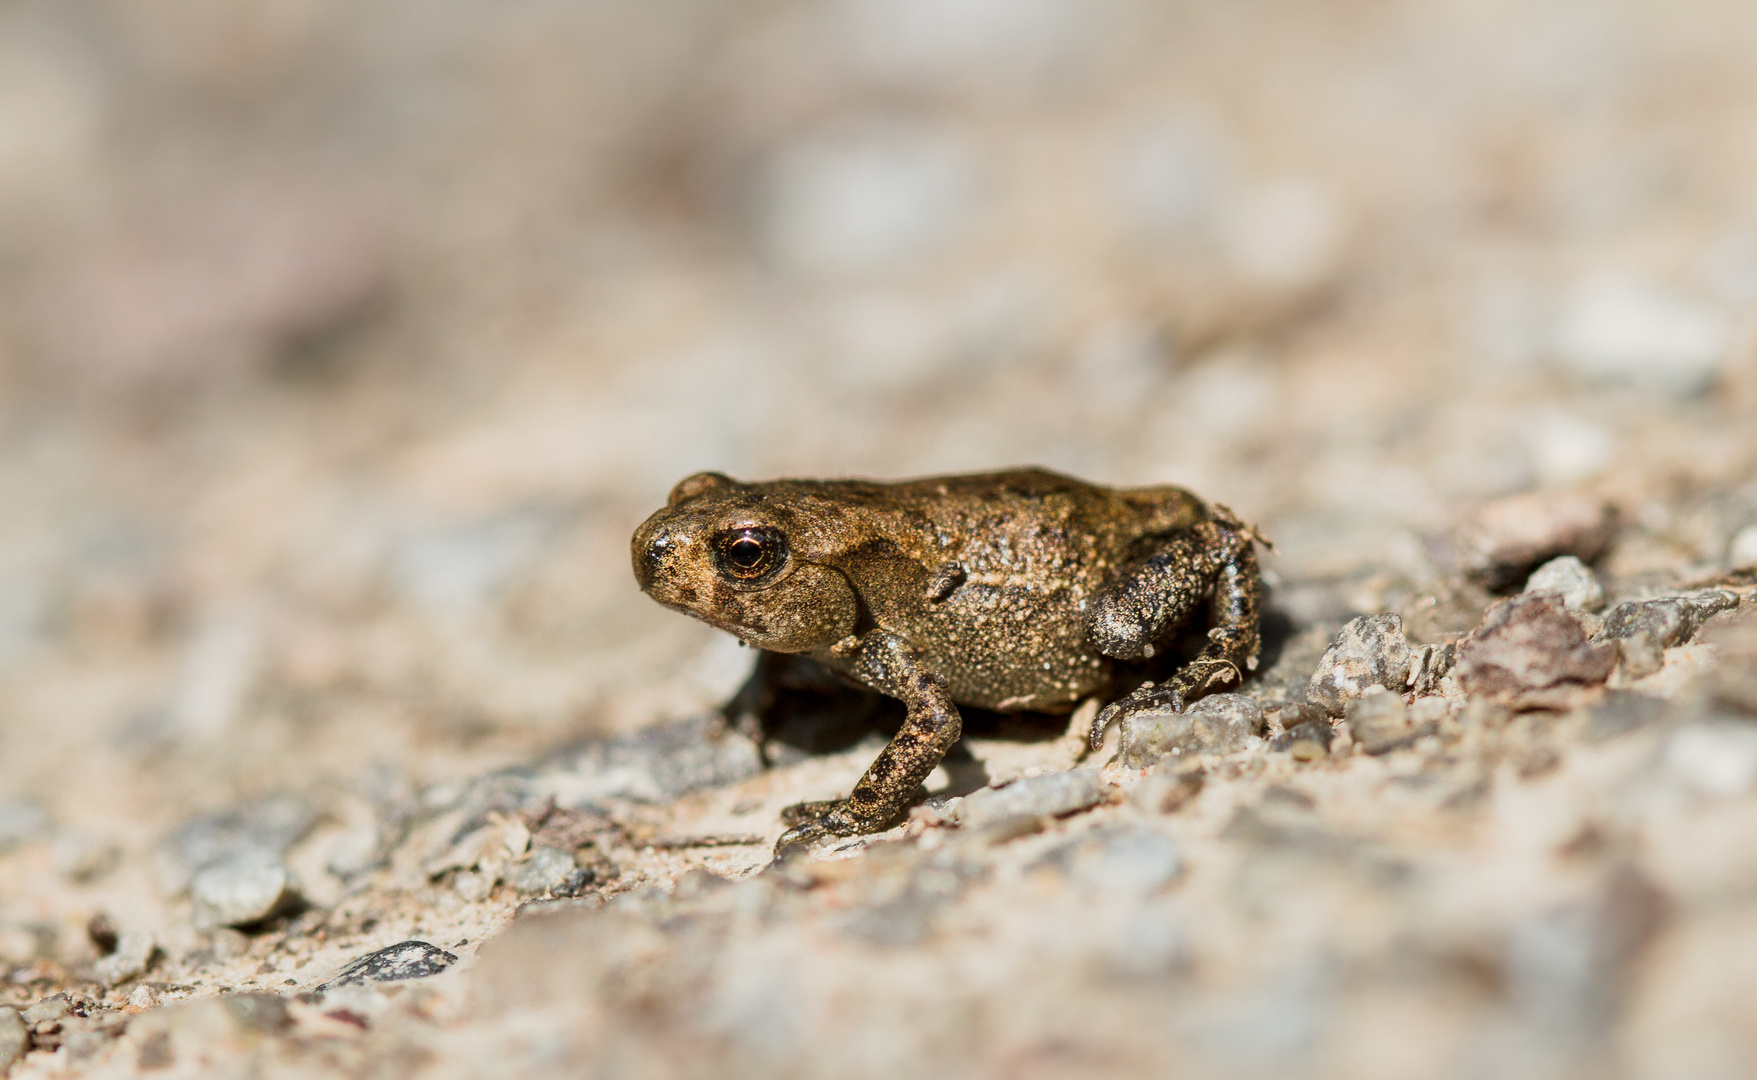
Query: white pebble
[[1743, 552], [1573, 579]]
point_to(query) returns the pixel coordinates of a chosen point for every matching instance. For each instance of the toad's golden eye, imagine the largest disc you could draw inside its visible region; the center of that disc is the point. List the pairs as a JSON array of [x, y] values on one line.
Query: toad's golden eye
[[750, 554]]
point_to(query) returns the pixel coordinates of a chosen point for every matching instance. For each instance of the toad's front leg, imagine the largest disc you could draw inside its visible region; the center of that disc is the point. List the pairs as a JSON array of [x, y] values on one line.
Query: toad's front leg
[[887, 664]]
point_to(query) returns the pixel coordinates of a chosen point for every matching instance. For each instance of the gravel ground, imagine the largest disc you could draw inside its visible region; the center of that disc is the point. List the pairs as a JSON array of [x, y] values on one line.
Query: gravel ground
[[342, 346]]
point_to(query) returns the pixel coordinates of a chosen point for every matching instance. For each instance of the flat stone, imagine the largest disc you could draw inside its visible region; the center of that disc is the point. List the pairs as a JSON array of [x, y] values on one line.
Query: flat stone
[[50, 1008], [393, 963], [1370, 651], [1667, 621], [1530, 652], [1051, 794], [240, 892], [1217, 724], [131, 957], [1573, 579], [1504, 540]]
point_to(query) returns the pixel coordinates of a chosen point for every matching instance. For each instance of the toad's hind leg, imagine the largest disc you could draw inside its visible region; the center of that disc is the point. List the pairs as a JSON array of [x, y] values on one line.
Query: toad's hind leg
[[1141, 608]]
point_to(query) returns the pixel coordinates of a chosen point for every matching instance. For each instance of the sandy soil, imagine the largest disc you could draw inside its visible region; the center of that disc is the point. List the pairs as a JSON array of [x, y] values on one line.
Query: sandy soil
[[342, 346]]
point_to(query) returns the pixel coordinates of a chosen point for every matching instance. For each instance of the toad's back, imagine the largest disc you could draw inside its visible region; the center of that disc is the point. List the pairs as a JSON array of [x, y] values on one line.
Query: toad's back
[[990, 575]]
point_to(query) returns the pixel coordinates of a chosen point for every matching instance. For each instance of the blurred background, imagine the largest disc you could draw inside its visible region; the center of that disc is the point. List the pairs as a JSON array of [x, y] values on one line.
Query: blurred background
[[343, 344]]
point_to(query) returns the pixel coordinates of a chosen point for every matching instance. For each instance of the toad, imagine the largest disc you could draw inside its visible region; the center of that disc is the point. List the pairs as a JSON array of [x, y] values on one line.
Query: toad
[[1012, 591]]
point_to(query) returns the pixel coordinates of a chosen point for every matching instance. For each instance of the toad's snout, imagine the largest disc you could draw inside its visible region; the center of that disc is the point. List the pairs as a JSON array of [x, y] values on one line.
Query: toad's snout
[[653, 546]]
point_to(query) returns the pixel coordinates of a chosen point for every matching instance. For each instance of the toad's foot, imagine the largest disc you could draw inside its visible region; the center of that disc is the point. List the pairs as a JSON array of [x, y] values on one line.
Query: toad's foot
[[1192, 681], [1148, 698], [816, 821]]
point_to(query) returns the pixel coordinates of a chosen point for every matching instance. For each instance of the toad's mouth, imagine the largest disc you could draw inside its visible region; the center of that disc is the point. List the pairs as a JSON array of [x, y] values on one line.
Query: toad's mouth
[[688, 602]]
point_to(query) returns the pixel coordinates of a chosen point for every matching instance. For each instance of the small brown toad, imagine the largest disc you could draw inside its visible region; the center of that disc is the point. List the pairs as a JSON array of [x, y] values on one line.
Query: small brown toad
[[1018, 590]]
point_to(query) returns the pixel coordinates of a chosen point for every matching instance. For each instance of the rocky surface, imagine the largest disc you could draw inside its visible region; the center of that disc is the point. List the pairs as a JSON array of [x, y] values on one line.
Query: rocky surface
[[342, 347]]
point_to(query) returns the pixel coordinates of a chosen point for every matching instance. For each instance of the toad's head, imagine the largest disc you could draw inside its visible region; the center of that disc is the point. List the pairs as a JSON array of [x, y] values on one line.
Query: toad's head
[[739, 557]]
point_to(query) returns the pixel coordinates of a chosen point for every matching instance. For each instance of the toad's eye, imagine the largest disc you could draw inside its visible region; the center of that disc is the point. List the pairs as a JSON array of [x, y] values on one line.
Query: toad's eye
[[750, 554]]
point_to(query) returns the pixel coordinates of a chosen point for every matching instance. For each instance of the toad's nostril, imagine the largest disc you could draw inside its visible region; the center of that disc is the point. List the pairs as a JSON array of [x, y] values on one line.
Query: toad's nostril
[[654, 558], [650, 551]]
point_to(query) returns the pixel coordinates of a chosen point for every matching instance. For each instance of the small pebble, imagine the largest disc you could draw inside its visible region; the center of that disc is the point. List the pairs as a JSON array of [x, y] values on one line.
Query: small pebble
[[133, 954], [1668, 621], [47, 1010], [354, 852], [102, 933], [1742, 553], [1428, 664], [1307, 740], [227, 943], [240, 893], [259, 831], [1639, 655], [393, 963], [473, 886], [1370, 651], [1573, 579], [547, 870], [1530, 652], [1217, 724]]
